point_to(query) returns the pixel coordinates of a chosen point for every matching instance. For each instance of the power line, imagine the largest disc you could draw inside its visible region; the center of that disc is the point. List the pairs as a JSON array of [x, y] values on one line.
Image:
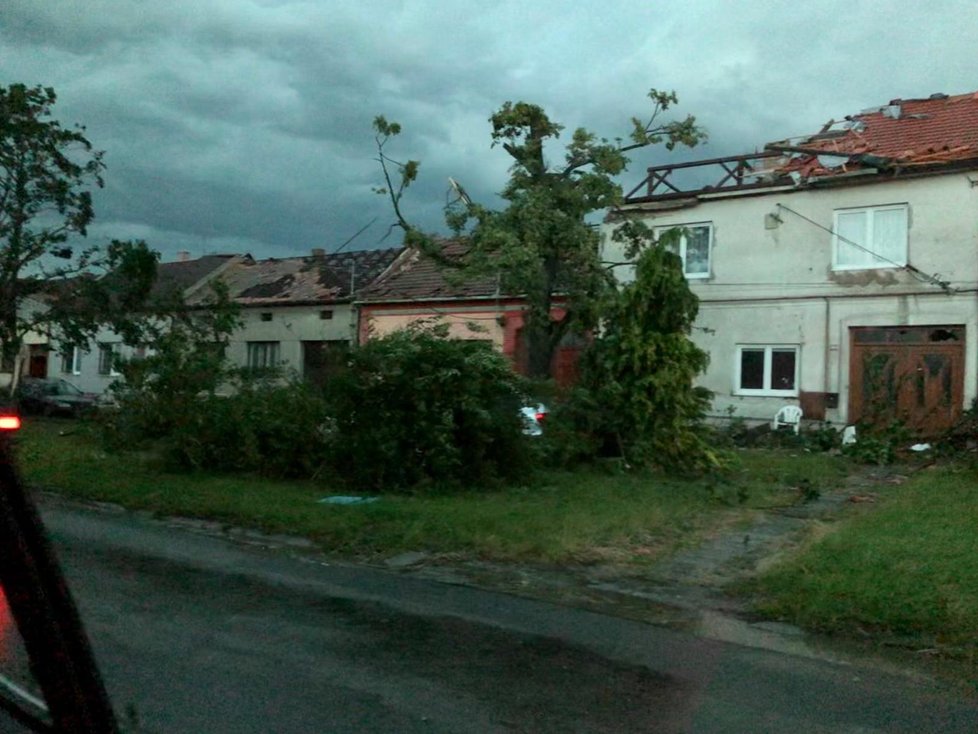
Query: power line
[[926, 277]]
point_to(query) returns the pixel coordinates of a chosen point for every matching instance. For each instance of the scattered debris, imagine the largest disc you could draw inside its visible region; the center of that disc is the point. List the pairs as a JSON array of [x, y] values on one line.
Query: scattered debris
[[345, 499], [848, 435], [863, 498], [920, 447]]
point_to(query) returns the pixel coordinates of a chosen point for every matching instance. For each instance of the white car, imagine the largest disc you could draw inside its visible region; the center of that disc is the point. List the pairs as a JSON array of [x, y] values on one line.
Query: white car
[[533, 418]]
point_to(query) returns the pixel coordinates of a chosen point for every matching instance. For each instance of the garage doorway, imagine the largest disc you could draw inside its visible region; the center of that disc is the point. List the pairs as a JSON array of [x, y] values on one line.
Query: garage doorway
[[913, 374]]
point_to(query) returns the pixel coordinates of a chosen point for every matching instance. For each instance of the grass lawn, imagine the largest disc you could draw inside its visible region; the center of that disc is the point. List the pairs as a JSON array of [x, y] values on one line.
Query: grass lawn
[[558, 517], [904, 571]]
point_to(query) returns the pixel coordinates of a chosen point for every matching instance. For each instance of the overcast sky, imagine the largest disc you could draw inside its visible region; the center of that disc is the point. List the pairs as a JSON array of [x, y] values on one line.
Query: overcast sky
[[245, 125]]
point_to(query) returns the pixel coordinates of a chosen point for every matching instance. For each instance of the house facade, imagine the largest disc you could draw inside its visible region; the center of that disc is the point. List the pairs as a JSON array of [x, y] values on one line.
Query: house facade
[[92, 366], [416, 290], [836, 271], [297, 313]]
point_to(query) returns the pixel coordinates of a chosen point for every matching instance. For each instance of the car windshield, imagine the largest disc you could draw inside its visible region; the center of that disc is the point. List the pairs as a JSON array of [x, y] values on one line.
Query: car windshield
[[52, 387], [17, 685], [66, 388]]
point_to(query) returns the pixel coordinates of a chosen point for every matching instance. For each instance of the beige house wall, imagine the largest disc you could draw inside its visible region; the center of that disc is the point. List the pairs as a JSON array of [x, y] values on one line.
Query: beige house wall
[[772, 281], [483, 325]]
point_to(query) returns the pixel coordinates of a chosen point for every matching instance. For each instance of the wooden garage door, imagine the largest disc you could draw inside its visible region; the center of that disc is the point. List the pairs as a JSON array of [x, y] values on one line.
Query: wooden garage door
[[914, 374]]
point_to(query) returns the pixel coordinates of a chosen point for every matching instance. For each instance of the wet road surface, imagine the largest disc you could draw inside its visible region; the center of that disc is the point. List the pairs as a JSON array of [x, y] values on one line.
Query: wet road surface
[[200, 635]]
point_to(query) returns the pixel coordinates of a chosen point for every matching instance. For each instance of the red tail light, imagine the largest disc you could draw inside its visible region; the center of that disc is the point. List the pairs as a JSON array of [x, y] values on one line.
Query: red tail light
[[540, 417], [9, 422]]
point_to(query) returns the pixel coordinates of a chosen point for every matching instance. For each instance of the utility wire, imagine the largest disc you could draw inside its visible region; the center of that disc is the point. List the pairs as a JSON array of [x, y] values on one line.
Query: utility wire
[[927, 277]]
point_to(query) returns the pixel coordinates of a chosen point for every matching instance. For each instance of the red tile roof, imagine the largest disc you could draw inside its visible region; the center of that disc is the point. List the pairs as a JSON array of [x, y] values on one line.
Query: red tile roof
[[906, 132]]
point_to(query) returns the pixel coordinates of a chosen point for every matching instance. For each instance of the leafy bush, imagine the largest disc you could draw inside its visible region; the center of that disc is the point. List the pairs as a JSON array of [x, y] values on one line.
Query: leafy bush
[[263, 426], [879, 444], [415, 408]]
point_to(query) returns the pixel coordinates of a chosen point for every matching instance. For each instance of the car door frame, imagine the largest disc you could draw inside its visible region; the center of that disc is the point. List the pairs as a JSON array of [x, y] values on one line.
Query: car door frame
[[45, 614]]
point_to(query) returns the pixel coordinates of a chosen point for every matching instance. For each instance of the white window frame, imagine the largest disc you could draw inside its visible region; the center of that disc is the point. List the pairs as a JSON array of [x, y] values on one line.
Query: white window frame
[[76, 357], [767, 390], [115, 350], [870, 212], [659, 231], [272, 358]]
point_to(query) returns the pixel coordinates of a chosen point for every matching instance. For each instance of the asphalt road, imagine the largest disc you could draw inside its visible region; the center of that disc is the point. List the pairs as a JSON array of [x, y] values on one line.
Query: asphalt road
[[197, 634]]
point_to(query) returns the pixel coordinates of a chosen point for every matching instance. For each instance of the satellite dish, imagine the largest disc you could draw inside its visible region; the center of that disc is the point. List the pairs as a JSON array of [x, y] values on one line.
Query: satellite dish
[[457, 187]]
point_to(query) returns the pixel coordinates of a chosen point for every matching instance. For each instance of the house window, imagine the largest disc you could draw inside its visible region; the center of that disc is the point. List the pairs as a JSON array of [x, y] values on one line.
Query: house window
[[71, 361], [326, 315], [871, 237], [108, 357], [262, 355], [766, 370], [693, 246], [266, 316]]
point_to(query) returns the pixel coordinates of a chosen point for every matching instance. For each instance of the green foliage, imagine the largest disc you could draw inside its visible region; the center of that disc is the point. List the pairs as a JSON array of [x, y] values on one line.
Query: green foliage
[[637, 376], [561, 517], [823, 437], [263, 426], [417, 408], [879, 444], [410, 409], [540, 243], [46, 173]]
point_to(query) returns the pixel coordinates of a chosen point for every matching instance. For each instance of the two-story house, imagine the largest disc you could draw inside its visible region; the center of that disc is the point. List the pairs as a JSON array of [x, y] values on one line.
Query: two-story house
[[837, 271]]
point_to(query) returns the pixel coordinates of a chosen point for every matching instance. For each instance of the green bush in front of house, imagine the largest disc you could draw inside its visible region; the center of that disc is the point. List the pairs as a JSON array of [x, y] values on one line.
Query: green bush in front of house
[[415, 408], [409, 410]]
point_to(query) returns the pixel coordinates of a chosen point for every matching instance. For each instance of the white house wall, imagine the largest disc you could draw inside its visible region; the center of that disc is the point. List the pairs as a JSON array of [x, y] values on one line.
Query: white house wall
[[290, 326], [772, 282]]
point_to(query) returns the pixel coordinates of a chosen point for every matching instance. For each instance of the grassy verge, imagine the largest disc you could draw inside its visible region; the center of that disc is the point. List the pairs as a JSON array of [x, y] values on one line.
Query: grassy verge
[[558, 517], [904, 572]]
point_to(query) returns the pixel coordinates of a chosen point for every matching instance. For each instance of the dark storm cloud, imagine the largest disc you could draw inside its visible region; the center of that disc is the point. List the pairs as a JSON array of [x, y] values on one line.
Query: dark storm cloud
[[242, 124]]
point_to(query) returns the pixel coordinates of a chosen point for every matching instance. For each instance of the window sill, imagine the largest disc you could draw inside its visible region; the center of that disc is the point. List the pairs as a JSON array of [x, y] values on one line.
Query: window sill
[[850, 268], [766, 393]]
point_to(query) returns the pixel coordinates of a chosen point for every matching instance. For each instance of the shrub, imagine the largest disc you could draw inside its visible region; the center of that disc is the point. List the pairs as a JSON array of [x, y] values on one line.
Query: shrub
[[637, 392], [879, 444], [266, 427], [415, 408]]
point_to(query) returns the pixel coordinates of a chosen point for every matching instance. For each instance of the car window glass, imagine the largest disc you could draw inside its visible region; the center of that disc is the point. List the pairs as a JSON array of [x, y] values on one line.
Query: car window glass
[[66, 388], [17, 684]]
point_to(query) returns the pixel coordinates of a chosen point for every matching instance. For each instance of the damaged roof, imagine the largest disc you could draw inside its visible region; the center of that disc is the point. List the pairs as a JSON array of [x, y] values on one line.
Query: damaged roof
[[940, 129], [417, 277], [320, 278], [904, 136], [180, 275]]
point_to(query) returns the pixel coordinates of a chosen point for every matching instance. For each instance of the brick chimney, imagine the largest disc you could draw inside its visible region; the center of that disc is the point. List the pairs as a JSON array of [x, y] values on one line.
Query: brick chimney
[[183, 256]]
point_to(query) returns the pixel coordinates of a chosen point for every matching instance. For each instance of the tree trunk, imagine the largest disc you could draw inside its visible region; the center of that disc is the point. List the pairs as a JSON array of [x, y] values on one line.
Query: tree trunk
[[539, 350]]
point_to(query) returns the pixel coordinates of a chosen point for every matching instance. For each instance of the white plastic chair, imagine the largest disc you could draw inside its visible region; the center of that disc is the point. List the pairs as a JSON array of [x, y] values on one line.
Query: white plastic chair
[[789, 415]]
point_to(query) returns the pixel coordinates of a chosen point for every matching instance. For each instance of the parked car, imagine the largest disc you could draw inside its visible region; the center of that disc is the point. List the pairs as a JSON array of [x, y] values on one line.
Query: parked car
[[533, 418], [41, 396]]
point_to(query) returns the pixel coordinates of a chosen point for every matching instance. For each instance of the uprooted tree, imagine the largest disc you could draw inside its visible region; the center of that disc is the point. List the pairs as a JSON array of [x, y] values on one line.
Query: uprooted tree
[[540, 244], [48, 284]]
